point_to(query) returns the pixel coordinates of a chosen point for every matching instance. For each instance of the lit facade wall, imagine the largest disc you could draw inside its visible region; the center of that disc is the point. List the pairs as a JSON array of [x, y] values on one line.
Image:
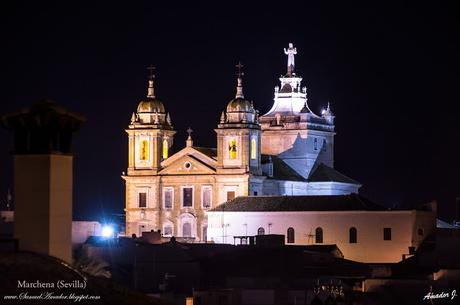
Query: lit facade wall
[[155, 215], [81, 230], [370, 247]]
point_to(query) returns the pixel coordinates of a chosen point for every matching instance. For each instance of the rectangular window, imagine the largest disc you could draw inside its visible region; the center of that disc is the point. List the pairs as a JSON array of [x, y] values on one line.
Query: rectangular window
[[206, 197], [255, 193], [253, 149], [232, 149], [142, 228], [386, 233], [324, 145], [204, 233], [420, 232], [168, 231], [230, 195], [168, 197], [142, 200], [187, 197], [165, 149], [316, 143], [144, 150]]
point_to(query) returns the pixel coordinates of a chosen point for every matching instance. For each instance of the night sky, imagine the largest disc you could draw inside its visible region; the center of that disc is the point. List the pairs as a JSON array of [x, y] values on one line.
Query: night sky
[[390, 72]]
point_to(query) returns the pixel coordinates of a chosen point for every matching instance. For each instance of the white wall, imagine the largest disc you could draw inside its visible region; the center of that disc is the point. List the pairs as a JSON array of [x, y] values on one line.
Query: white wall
[[81, 230], [289, 188], [371, 247]]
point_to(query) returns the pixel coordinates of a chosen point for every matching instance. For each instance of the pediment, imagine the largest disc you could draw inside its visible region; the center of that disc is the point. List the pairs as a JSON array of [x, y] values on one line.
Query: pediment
[[196, 153], [187, 165]]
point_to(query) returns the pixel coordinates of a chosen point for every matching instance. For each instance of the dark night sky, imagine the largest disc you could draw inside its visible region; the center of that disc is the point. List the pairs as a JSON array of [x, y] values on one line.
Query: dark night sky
[[390, 72]]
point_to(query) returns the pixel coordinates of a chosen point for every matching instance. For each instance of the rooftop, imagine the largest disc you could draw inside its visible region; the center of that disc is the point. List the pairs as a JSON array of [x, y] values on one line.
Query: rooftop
[[208, 151], [351, 202], [282, 171], [324, 173]]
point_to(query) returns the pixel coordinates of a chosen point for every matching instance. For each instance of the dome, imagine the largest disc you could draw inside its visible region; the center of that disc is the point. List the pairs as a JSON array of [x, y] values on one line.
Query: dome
[[240, 105], [151, 105]]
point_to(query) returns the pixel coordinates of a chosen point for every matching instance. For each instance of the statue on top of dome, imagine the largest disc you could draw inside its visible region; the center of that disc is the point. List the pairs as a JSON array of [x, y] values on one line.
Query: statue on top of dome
[[290, 52]]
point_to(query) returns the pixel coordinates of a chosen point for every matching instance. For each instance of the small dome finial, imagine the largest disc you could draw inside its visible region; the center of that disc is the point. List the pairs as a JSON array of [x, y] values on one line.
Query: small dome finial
[[327, 113], [168, 119], [133, 118], [222, 118], [150, 90], [239, 88]]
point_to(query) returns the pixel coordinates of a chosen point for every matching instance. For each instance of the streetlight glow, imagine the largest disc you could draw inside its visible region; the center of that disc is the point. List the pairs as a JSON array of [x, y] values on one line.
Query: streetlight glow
[[107, 231]]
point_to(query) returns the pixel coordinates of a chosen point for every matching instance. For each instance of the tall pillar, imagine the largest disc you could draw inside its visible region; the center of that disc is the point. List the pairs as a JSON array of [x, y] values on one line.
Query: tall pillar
[[43, 169]]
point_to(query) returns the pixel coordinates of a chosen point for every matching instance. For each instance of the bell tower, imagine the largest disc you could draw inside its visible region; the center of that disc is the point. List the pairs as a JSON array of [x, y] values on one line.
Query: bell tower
[[291, 130], [150, 134], [239, 136]]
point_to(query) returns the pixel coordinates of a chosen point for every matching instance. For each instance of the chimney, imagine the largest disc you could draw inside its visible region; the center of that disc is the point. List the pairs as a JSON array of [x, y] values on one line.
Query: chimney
[[43, 166]]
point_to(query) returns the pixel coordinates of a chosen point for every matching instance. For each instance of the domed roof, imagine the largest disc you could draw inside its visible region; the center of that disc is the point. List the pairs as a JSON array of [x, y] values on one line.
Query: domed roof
[[151, 105], [240, 105]]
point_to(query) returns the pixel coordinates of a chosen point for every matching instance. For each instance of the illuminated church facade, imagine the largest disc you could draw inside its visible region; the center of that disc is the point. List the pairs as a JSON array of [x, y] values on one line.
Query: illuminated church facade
[[287, 151]]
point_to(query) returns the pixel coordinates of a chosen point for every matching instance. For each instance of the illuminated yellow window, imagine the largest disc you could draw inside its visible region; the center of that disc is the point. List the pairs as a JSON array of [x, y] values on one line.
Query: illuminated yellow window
[[253, 149], [144, 153], [165, 149], [232, 148]]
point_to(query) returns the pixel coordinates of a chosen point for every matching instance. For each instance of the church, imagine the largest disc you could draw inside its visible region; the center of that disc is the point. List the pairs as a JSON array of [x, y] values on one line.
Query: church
[[269, 174], [288, 151]]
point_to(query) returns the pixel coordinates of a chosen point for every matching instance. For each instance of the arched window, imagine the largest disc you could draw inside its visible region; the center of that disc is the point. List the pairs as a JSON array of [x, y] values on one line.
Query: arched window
[[232, 149], [186, 230], [253, 149], [260, 231], [319, 235], [144, 151], [165, 149], [353, 235], [290, 236]]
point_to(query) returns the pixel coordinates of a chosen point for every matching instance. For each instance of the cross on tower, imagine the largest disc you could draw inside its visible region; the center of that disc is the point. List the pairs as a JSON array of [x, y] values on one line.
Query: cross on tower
[[189, 141], [150, 90], [239, 66], [189, 131], [151, 69], [239, 88]]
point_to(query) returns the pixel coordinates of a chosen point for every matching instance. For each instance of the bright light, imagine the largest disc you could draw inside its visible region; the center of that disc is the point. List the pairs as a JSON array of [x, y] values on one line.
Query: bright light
[[323, 111], [107, 231]]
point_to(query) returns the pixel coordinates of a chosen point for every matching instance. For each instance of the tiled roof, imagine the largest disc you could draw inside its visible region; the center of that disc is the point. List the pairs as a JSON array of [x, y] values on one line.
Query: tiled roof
[[324, 173], [208, 151], [351, 202], [282, 171]]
